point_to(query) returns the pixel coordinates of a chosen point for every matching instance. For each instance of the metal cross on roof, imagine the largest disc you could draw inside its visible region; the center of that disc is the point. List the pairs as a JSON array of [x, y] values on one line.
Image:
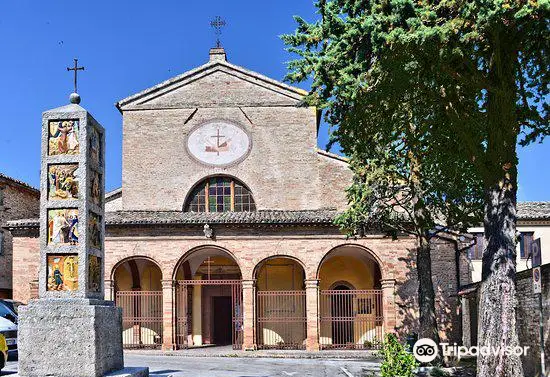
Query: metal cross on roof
[[217, 23], [76, 68]]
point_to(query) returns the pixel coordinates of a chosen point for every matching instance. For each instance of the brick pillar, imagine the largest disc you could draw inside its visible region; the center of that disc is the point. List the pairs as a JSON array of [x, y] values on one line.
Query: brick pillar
[[388, 305], [312, 315], [167, 315], [196, 316], [110, 290], [249, 319]]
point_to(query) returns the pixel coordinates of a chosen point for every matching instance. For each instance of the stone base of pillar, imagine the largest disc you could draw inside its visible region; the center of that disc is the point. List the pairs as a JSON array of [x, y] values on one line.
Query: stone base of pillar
[[71, 337], [250, 347], [312, 346], [168, 347]]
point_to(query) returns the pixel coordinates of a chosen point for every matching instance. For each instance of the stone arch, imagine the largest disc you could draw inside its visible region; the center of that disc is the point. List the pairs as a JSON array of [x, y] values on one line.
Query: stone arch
[[350, 303], [368, 253], [137, 288], [185, 258], [137, 265], [344, 283], [280, 289], [278, 256]]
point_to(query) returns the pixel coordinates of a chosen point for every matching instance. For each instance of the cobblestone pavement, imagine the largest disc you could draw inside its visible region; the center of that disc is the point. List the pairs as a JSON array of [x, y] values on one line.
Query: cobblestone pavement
[[207, 366]]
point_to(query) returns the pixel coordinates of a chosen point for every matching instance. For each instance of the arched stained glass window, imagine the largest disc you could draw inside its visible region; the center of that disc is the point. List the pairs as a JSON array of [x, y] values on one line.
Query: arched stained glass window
[[220, 194]]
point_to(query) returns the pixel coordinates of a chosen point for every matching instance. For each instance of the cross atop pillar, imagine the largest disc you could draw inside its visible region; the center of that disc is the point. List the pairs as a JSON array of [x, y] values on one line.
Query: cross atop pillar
[[75, 68]]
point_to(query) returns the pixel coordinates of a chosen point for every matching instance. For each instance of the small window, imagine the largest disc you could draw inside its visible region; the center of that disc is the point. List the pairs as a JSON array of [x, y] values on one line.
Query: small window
[[220, 194], [526, 238], [476, 250]]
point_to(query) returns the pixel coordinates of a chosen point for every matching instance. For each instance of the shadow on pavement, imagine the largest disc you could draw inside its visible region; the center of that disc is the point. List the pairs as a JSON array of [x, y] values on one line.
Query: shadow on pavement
[[167, 371]]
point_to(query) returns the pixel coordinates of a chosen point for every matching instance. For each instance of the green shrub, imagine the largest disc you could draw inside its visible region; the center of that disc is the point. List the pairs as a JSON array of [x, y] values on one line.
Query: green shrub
[[396, 361], [438, 372]]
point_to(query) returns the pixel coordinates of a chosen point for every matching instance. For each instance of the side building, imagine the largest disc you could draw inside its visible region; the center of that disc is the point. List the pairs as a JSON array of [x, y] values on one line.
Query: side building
[[17, 200], [533, 221], [223, 231]]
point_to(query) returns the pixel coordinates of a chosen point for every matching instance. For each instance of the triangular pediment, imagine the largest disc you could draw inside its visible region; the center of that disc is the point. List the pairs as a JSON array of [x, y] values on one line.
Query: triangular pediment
[[216, 83]]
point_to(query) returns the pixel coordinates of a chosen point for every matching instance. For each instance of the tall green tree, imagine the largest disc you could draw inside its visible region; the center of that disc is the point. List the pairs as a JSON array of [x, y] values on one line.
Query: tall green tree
[[479, 68], [403, 182]]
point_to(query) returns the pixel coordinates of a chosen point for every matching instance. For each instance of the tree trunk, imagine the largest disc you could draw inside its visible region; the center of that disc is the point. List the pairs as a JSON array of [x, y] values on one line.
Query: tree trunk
[[497, 317], [426, 295]]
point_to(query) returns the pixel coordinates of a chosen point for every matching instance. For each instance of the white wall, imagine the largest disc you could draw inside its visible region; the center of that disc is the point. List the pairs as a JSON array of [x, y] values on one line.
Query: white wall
[[542, 231]]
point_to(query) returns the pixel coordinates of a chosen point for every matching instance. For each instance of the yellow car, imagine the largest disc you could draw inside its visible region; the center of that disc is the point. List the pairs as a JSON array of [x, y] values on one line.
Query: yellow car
[[3, 351]]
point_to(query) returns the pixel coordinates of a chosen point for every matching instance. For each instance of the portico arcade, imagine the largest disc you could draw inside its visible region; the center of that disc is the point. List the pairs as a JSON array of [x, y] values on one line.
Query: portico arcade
[[332, 302]]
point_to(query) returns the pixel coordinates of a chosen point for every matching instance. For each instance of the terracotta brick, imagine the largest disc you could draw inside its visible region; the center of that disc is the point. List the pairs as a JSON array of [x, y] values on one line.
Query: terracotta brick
[[17, 201]]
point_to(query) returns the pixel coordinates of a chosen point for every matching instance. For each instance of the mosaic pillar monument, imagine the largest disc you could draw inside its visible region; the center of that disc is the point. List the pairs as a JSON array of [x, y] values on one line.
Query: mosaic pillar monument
[[71, 330]]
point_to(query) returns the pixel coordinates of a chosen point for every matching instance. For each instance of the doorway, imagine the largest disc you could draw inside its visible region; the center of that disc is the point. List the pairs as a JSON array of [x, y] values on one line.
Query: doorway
[[221, 320], [342, 311]]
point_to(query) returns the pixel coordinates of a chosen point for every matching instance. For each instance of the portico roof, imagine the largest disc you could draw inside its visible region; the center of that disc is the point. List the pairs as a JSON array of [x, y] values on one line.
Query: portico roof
[[319, 217], [269, 217]]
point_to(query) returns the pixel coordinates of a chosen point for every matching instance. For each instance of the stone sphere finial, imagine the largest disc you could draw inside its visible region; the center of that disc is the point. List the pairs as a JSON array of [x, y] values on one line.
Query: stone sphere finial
[[74, 98]]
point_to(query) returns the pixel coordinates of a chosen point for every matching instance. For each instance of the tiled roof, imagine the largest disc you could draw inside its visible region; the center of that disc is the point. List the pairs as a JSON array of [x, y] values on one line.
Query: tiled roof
[[533, 210], [526, 211], [268, 217], [257, 217], [19, 183]]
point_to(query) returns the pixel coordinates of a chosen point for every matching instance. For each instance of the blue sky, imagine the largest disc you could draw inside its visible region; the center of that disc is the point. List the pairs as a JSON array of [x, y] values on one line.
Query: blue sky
[[127, 46]]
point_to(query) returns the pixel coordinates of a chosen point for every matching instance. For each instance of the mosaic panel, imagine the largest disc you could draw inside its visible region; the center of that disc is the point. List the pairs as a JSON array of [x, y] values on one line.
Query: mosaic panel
[[94, 230], [95, 194], [63, 137], [94, 273], [95, 146], [62, 272], [63, 226], [63, 181]]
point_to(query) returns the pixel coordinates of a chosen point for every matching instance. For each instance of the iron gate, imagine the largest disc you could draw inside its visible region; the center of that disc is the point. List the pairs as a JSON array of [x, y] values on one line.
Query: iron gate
[[184, 303], [141, 318], [281, 319], [351, 319]]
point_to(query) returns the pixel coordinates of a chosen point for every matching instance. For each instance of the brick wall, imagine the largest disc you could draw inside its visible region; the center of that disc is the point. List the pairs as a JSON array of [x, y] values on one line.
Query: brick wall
[[26, 262], [283, 169], [527, 315], [16, 202], [444, 278]]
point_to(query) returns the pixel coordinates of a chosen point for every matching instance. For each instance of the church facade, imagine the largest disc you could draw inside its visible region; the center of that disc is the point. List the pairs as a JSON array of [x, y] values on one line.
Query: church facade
[[223, 231]]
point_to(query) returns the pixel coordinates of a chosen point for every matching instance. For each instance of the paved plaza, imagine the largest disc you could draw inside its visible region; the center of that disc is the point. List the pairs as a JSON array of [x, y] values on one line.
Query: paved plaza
[[192, 366]]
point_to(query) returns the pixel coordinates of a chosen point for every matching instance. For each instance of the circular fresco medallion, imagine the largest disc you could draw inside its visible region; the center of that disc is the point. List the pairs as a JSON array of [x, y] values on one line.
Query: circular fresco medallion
[[218, 143]]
